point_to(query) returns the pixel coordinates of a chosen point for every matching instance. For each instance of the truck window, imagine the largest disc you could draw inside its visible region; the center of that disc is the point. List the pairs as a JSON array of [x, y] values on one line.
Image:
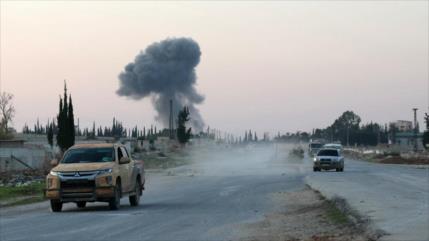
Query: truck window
[[87, 155], [125, 152], [120, 155]]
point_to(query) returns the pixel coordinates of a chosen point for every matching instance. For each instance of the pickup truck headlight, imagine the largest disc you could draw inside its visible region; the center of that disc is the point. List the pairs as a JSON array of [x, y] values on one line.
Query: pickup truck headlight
[[315, 159], [53, 173], [105, 171]]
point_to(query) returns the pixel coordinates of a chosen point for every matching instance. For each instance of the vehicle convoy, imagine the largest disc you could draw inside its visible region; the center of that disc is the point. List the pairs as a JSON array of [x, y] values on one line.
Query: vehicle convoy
[[95, 172], [314, 147], [334, 146], [327, 159]]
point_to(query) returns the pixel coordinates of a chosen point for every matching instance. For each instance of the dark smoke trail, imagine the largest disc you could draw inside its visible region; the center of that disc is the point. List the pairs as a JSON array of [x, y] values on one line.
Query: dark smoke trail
[[164, 71]]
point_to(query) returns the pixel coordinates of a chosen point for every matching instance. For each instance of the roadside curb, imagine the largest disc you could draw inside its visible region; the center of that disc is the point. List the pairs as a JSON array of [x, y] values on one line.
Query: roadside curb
[[362, 222]]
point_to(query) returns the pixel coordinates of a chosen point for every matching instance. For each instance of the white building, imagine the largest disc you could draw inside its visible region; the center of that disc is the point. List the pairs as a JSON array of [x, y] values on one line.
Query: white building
[[403, 125]]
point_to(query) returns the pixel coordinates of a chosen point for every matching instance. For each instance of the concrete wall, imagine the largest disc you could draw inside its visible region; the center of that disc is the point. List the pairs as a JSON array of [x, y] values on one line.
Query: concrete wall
[[34, 156]]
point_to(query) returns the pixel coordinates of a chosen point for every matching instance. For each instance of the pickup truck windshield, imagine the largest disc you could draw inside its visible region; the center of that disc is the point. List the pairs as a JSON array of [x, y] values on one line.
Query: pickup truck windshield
[[86, 155], [328, 153]]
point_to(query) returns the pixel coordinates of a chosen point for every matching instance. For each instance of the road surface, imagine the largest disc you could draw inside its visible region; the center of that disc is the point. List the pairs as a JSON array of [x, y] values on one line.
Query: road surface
[[206, 200], [394, 197]]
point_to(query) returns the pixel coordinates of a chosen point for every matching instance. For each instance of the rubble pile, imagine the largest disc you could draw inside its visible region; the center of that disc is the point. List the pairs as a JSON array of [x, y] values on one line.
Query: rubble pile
[[20, 178]]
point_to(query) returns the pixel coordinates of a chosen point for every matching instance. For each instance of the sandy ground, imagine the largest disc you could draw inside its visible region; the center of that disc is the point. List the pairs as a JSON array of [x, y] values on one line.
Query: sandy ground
[[303, 215]]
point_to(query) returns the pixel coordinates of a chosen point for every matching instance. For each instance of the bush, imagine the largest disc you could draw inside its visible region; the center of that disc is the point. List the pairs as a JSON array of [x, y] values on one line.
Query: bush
[[426, 140], [297, 152]]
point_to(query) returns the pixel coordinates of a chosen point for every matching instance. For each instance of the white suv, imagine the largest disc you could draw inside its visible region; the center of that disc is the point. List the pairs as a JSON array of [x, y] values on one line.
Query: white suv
[[328, 158]]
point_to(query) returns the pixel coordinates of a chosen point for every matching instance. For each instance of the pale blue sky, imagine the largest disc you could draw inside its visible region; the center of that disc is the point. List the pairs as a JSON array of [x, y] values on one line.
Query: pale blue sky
[[265, 66]]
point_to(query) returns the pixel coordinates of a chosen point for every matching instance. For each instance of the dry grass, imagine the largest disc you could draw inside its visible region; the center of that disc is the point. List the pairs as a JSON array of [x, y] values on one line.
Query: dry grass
[[306, 216]]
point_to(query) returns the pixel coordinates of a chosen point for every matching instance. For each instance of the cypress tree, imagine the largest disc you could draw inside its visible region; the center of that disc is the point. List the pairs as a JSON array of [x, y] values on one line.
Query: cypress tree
[[50, 134], [93, 130], [183, 134], [70, 122], [60, 134], [64, 123], [65, 120], [425, 139]]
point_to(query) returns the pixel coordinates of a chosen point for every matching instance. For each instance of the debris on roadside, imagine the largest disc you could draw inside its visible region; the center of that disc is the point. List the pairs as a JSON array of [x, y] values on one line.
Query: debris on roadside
[[306, 215], [297, 153], [20, 178], [389, 157]]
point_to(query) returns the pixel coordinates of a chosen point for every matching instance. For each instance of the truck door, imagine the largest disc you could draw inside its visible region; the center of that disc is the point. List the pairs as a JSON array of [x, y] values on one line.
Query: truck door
[[123, 171], [129, 169]]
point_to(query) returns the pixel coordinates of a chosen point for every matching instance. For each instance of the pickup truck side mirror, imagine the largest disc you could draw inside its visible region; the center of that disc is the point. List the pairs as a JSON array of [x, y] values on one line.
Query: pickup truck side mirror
[[124, 160], [54, 162]]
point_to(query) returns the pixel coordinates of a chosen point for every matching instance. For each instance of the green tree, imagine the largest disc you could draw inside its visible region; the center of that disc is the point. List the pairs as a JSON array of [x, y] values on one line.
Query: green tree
[[60, 121], [70, 124], [426, 133], [93, 130], [65, 120], [368, 134], [50, 135], [345, 128], [183, 134], [426, 140]]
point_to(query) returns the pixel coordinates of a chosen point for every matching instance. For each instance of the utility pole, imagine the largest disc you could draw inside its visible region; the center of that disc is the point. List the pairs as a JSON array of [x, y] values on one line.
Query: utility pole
[[415, 129]]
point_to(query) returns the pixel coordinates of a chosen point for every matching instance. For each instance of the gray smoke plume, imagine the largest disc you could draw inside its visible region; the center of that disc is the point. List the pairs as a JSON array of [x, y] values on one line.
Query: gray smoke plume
[[164, 71]]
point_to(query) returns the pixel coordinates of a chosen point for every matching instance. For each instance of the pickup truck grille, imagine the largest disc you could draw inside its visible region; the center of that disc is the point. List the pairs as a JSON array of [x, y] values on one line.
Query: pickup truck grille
[[77, 183], [325, 161], [77, 189]]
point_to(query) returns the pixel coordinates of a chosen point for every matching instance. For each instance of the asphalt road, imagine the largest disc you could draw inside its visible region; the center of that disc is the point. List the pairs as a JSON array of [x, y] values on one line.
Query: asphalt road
[[394, 197], [204, 201]]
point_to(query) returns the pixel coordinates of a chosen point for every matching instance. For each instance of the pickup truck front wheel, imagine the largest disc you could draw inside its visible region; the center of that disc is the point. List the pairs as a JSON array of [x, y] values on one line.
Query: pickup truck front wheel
[[56, 205], [115, 202], [135, 199]]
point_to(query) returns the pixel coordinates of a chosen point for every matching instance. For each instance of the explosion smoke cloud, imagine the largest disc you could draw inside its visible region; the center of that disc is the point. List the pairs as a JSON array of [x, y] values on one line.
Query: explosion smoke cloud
[[165, 70]]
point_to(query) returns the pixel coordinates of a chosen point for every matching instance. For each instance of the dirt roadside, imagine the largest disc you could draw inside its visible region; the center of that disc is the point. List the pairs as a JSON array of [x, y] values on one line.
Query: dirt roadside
[[306, 215], [390, 158]]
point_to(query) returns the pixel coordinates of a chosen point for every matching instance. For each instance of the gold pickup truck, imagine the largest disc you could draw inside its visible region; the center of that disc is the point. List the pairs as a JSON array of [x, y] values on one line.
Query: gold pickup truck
[[95, 172]]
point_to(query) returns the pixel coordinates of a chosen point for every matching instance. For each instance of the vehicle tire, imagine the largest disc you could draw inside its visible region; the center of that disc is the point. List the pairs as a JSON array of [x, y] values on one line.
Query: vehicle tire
[[115, 202], [337, 169], [81, 204], [135, 199], [342, 169], [56, 205], [314, 169]]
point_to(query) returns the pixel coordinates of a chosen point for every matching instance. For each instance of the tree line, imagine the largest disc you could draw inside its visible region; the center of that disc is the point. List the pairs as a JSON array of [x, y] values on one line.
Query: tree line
[[425, 139], [348, 130], [66, 131]]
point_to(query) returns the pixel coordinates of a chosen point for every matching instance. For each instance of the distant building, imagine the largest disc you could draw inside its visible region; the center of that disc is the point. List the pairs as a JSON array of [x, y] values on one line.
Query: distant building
[[406, 140], [403, 125]]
